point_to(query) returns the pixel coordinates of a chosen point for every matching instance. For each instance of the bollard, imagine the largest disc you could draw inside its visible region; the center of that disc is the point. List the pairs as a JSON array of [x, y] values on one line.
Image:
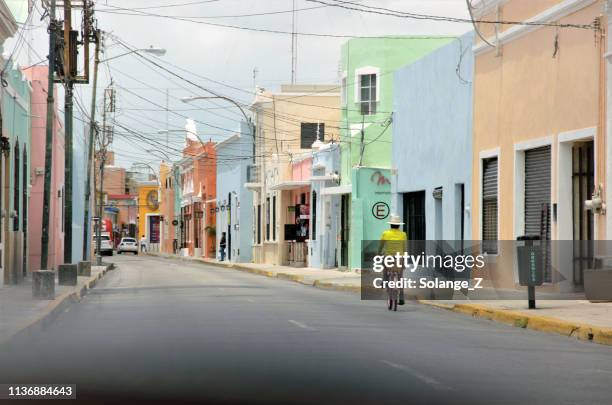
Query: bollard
[[67, 274], [84, 268], [43, 285]]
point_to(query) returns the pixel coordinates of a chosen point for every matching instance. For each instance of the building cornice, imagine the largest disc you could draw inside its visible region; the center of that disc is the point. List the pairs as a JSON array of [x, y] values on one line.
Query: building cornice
[[552, 14], [8, 25], [480, 8]]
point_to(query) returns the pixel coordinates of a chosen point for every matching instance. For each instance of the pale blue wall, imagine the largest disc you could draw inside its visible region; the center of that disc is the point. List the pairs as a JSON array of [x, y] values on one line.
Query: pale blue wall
[[432, 133], [233, 157], [79, 178], [324, 247]]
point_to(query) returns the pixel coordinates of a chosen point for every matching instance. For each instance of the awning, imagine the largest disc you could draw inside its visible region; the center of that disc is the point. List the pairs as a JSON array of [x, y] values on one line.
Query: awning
[[325, 177], [252, 186], [346, 189], [290, 185]]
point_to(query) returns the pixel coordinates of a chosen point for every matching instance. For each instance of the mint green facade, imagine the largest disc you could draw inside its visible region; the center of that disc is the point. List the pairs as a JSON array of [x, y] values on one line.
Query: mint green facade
[[366, 138], [16, 126]]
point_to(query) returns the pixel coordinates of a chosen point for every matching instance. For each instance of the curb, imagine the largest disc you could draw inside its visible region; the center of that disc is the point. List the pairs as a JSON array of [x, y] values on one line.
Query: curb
[[513, 318], [56, 307], [538, 323], [267, 273]]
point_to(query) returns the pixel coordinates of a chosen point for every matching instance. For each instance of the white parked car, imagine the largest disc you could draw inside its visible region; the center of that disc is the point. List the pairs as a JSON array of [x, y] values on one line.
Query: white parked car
[[128, 245], [106, 246]]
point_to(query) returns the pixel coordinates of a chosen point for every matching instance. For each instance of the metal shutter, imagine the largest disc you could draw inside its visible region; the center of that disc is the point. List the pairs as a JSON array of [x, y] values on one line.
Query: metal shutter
[[537, 192], [489, 199]]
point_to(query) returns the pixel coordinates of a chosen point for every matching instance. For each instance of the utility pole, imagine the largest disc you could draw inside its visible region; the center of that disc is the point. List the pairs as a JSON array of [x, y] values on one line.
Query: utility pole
[[49, 138], [68, 121], [293, 46], [362, 142], [90, 145], [105, 140], [167, 117]]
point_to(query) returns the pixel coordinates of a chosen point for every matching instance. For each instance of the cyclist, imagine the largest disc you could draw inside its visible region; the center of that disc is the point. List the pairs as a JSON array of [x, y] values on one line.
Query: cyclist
[[393, 241]]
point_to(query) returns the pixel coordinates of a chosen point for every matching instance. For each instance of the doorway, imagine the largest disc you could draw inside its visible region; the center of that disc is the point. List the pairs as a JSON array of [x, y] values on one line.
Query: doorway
[[345, 230], [583, 183], [414, 215]]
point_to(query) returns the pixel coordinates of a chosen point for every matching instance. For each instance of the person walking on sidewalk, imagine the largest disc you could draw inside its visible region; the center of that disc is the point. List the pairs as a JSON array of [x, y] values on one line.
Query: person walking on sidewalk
[[222, 244], [143, 244], [393, 241]]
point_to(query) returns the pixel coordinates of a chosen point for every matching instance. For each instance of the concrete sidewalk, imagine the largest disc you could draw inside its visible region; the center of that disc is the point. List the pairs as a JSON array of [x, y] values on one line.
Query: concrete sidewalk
[[575, 318], [20, 313]]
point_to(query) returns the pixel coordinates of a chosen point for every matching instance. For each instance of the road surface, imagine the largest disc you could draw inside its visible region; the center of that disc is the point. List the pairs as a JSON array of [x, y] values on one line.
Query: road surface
[[162, 329]]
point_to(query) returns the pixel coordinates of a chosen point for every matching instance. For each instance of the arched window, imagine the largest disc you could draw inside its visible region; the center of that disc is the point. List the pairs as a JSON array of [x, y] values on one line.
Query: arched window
[[16, 193]]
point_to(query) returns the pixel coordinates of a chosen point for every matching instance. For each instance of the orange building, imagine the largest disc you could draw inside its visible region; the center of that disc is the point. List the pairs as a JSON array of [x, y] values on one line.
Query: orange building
[[198, 174], [170, 222]]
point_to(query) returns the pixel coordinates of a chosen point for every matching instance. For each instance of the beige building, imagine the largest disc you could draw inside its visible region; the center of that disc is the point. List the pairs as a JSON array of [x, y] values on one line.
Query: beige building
[[287, 124], [539, 125]]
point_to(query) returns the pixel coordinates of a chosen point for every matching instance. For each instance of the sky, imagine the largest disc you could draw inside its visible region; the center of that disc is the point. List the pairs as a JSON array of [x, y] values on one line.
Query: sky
[[222, 59]]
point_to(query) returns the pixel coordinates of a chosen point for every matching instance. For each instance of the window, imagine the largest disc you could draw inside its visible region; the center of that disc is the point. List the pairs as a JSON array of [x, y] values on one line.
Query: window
[[314, 215], [273, 217], [489, 205], [268, 218], [63, 207], [367, 93], [16, 184], [309, 132], [258, 224]]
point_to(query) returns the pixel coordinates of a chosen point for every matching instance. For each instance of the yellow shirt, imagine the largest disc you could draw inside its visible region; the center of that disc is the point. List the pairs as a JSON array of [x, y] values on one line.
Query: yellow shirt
[[394, 241]]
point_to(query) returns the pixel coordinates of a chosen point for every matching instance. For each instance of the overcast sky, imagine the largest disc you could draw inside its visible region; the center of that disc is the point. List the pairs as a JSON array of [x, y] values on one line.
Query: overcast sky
[[226, 55]]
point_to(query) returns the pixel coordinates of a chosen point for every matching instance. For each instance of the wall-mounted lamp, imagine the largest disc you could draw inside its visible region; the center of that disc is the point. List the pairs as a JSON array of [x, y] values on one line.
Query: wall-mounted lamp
[[596, 203]]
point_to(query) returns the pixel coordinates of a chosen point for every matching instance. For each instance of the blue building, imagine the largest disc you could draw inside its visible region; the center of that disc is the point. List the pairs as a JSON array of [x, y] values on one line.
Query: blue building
[[79, 181], [432, 143], [325, 230], [234, 202]]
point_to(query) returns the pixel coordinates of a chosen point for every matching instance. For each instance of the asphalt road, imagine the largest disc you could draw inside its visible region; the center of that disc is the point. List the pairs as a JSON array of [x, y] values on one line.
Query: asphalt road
[[160, 329]]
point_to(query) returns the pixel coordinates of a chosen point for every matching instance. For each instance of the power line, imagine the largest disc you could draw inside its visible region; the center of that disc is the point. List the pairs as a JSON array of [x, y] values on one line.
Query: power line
[[252, 29], [402, 14]]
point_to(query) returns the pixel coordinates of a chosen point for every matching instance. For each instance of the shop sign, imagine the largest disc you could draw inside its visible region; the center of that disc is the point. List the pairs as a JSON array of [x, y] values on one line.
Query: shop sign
[[380, 210]]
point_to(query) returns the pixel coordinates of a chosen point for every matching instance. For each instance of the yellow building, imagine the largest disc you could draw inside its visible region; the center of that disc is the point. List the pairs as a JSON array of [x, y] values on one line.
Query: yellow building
[[539, 124], [148, 214], [288, 122]]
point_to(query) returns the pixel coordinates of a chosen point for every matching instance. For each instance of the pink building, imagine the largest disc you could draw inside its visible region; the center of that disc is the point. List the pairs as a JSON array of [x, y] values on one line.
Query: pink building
[[38, 77], [294, 203]]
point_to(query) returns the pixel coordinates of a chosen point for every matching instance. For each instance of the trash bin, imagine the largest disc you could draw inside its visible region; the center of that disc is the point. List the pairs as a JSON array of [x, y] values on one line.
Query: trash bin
[[529, 257]]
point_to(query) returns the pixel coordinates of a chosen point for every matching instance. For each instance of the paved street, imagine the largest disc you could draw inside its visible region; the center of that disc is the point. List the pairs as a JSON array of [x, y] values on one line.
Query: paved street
[[164, 329]]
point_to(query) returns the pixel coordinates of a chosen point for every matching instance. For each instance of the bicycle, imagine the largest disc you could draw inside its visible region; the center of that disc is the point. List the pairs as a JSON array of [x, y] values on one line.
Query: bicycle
[[393, 293]]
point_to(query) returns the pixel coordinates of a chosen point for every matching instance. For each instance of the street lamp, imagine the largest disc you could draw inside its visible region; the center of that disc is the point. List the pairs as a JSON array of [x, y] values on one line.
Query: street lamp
[[234, 102], [148, 166], [165, 155], [193, 98], [152, 50]]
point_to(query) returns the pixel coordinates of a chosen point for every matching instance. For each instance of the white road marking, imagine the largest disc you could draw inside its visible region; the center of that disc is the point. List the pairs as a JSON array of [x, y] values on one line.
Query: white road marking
[[250, 300], [424, 378], [300, 324]]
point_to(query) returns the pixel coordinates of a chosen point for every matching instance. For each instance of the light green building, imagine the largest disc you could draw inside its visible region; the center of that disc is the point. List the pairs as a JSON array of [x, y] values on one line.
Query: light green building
[[366, 133], [15, 172]]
